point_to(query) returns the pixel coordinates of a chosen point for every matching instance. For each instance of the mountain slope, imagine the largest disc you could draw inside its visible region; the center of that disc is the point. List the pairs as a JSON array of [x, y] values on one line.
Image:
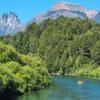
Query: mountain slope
[[10, 23], [68, 10]]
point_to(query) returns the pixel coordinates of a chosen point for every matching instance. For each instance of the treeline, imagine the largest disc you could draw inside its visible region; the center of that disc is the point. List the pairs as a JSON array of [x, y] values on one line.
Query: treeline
[[66, 45], [20, 73]]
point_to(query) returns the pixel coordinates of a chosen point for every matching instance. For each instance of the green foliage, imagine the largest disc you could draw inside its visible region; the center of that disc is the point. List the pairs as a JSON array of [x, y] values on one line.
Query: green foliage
[[89, 70], [95, 53], [21, 79], [8, 53], [21, 73], [96, 72], [85, 70]]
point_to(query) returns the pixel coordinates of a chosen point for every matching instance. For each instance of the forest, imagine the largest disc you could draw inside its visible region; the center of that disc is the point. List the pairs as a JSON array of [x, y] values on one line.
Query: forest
[[68, 46]]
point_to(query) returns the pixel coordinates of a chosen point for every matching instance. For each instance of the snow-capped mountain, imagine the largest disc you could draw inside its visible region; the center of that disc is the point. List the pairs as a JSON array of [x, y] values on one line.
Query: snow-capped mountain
[[10, 23], [68, 10]]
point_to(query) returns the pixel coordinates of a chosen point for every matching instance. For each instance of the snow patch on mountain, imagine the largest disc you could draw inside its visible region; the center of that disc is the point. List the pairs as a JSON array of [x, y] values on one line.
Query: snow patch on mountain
[[10, 23]]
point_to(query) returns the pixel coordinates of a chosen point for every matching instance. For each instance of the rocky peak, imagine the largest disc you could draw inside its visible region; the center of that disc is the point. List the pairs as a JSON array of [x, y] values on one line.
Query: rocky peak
[[68, 6], [10, 23]]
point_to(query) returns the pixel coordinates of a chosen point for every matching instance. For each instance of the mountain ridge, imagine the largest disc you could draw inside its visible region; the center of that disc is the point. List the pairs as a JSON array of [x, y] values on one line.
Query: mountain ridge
[[68, 10], [10, 23]]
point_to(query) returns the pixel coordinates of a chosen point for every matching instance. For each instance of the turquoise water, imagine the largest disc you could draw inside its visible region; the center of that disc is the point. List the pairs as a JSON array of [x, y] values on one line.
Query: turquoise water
[[67, 88]]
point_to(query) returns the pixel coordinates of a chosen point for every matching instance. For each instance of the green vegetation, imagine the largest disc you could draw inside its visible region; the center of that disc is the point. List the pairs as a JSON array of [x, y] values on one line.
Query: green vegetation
[[21, 73], [66, 45]]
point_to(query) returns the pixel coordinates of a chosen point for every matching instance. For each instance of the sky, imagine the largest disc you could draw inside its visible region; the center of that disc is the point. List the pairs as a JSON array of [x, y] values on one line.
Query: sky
[[26, 9]]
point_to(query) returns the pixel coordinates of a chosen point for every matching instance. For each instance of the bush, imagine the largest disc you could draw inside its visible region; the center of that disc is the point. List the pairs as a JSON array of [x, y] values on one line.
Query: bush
[[85, 70], [96, 72], [21, 73], [21, 79]]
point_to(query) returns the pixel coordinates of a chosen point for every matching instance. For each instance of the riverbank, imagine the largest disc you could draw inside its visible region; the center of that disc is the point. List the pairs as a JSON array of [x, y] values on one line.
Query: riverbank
[[89, 76]]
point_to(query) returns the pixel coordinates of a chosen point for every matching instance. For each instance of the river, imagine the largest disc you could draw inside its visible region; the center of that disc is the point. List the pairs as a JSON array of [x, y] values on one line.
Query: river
[[67, 88]]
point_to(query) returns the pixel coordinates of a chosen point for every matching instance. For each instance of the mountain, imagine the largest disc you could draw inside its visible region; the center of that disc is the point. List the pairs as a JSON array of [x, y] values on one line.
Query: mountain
[[66, 9], [10, 23], [97, 17]]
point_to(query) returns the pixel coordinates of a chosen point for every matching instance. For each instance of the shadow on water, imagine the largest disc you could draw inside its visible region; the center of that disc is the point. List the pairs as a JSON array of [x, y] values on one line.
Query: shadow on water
[[8, 96], [66, 88]]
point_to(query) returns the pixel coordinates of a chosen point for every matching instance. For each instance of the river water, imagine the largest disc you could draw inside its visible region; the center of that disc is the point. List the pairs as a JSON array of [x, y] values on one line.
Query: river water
[[67, 88]]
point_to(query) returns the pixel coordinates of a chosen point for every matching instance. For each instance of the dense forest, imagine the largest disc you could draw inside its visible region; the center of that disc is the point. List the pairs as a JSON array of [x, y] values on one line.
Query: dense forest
[[64, 45]]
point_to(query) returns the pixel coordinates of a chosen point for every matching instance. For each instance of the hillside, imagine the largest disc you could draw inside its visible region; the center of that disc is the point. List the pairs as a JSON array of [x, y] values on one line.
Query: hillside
[[66, 45]]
